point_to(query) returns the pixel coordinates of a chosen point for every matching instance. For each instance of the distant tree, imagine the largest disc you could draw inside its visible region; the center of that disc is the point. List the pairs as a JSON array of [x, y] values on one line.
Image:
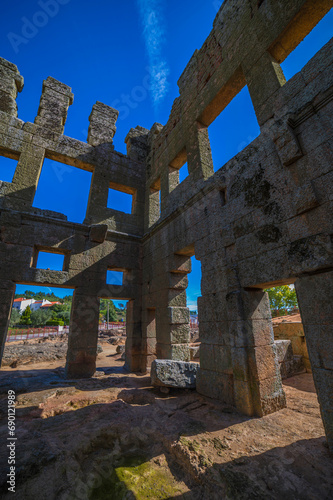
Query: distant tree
[[282, 299], [61, 312], [14, 317], [40, 317], [104, 310], [67, 299], [26, 316]]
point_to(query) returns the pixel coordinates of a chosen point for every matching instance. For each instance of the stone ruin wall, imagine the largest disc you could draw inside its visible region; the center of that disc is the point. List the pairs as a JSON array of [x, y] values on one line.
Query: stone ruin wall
[[263, 219]]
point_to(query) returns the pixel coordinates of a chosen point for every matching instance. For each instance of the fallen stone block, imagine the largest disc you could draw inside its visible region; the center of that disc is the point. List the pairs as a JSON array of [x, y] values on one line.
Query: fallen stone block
[[120, 349], [114, 340], [171, 373]]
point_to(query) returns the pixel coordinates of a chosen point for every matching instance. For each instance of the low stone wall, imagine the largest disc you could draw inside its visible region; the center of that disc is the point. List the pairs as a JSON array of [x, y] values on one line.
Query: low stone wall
[[295, 333]]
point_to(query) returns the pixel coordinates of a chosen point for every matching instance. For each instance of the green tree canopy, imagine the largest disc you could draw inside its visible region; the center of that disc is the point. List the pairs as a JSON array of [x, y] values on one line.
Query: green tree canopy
[[282, 299], [103, 308], [14, 317], [26, 316], [40, 316]]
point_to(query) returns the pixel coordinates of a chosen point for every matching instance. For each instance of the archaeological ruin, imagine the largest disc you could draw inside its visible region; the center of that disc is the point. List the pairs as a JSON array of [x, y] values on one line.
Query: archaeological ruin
[[263, 219]]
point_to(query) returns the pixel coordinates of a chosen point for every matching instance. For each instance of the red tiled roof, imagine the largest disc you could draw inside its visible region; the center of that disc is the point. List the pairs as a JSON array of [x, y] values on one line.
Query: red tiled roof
[[20, 299]]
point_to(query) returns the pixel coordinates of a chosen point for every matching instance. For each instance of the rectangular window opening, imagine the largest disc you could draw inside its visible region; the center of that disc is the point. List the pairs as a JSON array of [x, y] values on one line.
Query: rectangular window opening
[[65, 189], [39, 311], [50, 261], [114, 277], [193, 291], [311, 44], [7, 168], [121, 199], [114, 311], [289, 337], [234, 129]]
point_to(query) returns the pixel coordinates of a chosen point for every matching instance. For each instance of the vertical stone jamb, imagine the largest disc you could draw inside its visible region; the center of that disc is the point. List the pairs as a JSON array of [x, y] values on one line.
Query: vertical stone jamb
[[7, 292], [257, 380], [199, 153], [133, 336], [26, 177], [82, 338], [215, 377], [315, 299], [148, 339], [172, 315], [264, 78]]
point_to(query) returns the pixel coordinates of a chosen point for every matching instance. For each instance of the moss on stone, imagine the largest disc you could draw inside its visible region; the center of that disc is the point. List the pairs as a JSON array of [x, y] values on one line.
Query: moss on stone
[[141, 478]]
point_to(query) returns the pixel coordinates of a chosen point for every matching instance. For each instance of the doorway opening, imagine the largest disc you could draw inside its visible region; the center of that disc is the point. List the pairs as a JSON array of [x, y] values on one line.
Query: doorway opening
[[112, 331], [288, 331]]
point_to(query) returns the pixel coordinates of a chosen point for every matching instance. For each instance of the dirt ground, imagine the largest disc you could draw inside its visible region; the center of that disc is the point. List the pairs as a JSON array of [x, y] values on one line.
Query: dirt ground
[[115, 437], [292, 318]]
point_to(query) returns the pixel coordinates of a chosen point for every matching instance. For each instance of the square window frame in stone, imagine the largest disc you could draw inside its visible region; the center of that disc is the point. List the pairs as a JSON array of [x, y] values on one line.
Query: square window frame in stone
[[55, 251], [128, 190]]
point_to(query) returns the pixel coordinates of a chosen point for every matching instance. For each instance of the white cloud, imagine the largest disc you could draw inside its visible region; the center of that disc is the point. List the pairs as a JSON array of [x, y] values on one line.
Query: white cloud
[[154, 36], [192, 305]]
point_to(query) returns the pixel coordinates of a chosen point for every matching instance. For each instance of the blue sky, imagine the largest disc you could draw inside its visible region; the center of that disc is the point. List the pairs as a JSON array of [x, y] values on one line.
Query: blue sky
[[129, 55]]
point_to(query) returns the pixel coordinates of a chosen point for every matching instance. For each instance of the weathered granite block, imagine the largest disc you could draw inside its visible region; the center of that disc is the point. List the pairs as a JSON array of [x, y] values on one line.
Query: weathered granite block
[[170, 373]]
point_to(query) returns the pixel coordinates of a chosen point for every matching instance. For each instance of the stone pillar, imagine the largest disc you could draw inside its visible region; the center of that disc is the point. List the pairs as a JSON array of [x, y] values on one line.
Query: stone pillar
[[215, 377], [54, 103], [148, 339], [26, 177], [315, 299], [199, 153], [137, 144], [133, 336], [172, 315], [83, 334], [263, 78], [238, 363], [257, 380], [11, 82], [7, 292], [102, 126]]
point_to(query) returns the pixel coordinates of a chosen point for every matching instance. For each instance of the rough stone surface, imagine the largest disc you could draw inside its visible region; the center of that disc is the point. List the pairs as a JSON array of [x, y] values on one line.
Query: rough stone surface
[[291, 328], [290, 363], [265, 217], [171, 373], [72, 434]]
